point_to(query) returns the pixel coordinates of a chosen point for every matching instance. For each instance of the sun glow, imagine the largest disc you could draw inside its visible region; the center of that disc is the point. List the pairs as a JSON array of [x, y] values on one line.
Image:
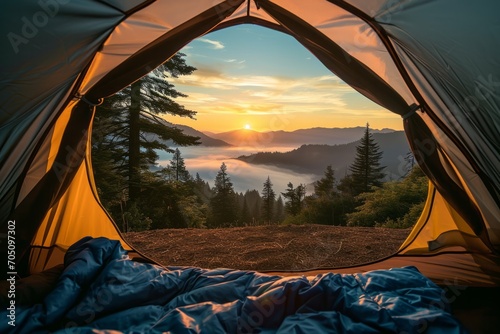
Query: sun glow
[[247, 126]]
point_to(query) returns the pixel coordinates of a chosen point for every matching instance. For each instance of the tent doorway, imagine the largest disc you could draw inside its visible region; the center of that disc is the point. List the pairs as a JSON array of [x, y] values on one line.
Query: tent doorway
[[258, 90]]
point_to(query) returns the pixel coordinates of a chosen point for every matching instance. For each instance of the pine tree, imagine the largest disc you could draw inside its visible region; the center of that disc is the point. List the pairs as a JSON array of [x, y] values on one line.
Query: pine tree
[[268, 198], [223, 204], [366, 171], [323, 206], [325, 187], [294, 198], [134, 125], [178, 168]]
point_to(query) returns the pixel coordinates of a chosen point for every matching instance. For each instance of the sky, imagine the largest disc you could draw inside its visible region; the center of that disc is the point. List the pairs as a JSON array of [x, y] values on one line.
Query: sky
[[256, 78]]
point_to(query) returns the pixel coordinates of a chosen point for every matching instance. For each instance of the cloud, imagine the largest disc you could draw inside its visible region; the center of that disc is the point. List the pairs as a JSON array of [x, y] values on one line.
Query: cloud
[[216, 45], [235, 61], [211, 90]]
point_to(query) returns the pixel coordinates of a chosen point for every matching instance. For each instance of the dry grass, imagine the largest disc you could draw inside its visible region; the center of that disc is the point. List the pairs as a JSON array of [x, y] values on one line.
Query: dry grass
[[295, 247]]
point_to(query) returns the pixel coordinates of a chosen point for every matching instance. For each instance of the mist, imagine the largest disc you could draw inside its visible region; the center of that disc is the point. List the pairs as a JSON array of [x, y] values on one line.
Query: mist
[[206, 161]]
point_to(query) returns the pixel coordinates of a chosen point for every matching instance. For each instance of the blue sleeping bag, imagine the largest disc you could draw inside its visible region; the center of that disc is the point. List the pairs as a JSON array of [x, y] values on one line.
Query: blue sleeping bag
[[102, 291]]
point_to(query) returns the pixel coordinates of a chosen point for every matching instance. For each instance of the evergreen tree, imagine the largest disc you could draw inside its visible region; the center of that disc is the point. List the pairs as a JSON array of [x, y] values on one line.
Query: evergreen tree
[[268, 198], [178, 168], [134, 127], [366, 171], [127, 132], [395, 204], [294, 197], [324, 207], [223, 204], [325, 187]]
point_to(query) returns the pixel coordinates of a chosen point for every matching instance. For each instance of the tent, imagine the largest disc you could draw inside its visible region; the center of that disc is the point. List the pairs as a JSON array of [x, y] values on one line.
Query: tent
[[433, 62]]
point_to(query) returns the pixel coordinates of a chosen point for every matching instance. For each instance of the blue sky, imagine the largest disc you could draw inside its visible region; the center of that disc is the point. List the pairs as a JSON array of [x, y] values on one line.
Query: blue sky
[[258, 78]]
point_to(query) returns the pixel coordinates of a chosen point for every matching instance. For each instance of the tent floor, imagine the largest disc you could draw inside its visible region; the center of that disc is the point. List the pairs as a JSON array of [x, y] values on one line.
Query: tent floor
[[477, 308]]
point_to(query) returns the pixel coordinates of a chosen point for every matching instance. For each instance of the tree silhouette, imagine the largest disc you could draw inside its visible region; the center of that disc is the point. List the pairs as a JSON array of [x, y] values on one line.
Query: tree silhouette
[[326, 186], [177, 168], [294, 197], [223, 204], [126, 135], [132, 123], [366, 171], [268, 198]]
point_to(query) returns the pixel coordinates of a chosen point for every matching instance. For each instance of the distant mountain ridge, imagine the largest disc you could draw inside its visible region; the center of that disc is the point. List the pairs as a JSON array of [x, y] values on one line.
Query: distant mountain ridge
[[318, 135], [204, 139], [296, 138], [313, 158]]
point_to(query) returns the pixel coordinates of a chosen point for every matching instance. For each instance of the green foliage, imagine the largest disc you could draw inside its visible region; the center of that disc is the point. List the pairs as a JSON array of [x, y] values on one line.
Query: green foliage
[[323, 210], [127, 132], [366, 171], [268, 200], [223, 205], [325, 206], [408, 220], [177, 169], [396, 203], [128, 122], [193, 212], [294, 198], [295, 220], [325, 187]]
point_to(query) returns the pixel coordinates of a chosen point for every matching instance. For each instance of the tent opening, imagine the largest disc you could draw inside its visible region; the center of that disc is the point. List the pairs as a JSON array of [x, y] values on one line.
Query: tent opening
[[269, 187]]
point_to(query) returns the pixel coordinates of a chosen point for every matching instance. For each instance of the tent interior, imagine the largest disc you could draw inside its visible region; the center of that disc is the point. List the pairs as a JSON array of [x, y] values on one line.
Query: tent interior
[[435, 63]]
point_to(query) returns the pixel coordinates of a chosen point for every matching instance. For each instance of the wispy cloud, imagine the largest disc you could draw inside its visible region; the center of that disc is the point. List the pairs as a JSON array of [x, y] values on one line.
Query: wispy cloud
[[234, 61], [214, 44], [213, 91], [213, 78]]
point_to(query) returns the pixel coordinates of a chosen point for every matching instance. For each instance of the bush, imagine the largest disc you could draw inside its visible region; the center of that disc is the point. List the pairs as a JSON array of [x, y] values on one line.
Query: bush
[[395, 204]]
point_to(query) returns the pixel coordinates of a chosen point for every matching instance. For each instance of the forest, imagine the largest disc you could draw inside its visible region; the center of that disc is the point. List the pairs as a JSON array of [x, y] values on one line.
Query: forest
[[128, 131]]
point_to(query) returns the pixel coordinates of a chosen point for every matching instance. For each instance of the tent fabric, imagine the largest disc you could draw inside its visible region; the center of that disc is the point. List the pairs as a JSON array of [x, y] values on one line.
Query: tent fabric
[[100, 289], [433, 62]]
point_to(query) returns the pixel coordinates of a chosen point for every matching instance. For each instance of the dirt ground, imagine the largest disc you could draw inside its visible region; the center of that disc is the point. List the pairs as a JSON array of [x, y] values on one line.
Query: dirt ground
[[294, 247]]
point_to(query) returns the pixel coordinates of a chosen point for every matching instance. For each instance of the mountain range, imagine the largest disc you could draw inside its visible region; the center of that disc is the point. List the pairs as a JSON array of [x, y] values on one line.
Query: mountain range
[[313, 158], [330, 136], [310, 150]]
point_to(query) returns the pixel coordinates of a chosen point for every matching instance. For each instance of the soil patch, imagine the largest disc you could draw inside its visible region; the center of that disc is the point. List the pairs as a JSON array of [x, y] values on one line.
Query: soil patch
[[291, 247]]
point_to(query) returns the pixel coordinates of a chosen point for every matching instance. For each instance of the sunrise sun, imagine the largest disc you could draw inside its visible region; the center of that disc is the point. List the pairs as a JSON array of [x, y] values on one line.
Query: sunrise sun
[[247, 126]]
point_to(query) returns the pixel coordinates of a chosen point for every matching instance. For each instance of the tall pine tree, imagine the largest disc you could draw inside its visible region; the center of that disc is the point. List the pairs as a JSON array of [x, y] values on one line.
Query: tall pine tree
[[132, 125], [366, 171], [177, 168], [223, 205], [127, 132], [268, 198]]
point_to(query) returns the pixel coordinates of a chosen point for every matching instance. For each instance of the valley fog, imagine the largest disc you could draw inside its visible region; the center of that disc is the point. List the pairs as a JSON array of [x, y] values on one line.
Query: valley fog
[[206, 161]]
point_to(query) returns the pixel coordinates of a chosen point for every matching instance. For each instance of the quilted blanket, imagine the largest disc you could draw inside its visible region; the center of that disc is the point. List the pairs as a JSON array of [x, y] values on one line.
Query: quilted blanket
[[102, 291]]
